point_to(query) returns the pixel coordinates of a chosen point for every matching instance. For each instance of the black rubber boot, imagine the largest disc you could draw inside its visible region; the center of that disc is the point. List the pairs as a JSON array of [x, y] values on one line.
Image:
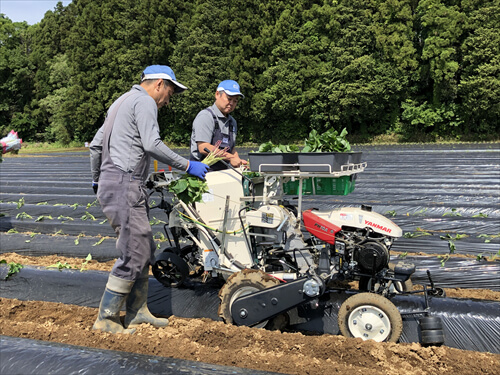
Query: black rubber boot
[[108, 319], [137, 308]]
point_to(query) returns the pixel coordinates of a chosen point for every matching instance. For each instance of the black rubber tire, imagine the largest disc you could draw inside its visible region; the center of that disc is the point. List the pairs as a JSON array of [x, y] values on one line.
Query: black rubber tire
[[379, 304], [240, 284], [170, 269], [434, 337], [430, 323]]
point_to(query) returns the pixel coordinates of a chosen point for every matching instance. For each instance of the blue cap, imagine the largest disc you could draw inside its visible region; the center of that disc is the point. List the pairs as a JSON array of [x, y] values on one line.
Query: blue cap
[[163, 72], [230, 87]]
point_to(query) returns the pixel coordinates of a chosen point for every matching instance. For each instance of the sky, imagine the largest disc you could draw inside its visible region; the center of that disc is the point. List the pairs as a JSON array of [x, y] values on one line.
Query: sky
[[31, 11]]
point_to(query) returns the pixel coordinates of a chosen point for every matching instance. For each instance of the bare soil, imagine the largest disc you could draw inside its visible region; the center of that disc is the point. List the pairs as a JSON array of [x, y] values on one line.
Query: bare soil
[[218, 343], [215, 342]]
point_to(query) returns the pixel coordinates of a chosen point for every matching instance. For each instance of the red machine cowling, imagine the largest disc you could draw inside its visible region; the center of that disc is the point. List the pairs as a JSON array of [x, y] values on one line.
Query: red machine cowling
[[320, 228]]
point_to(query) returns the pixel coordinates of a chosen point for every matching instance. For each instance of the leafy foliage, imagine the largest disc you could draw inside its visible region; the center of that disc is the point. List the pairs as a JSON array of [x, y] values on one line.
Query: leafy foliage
[[189, 189], [329, 141], [13, 268], [271, 147]]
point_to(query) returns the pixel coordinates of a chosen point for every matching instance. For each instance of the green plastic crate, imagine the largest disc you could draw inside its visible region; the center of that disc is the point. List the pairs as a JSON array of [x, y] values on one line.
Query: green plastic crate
[[322, 186], [334, 186], [292, 187]]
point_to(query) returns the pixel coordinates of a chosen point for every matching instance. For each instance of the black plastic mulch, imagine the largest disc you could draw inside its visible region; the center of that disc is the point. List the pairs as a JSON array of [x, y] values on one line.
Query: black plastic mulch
[[444, 197]]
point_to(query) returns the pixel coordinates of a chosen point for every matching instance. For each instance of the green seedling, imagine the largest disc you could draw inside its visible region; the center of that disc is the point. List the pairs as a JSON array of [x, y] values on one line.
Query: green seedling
[[489, 237], [87, 259], [43, 217], [152, 203], [480, 215], [453, 212], [60, 266], [13, 268], [99, 242], [58, 232], [391, 213], [42, 204], [271, 147], [458, 236], [88, 216], [32, 235], [20, 203], [92, 204], [77, 240], [65, 218], [443, 259], [159, 236], [480, 257], [104, 221], [23, 215], [403, 255], [156, 221], [189, 189], [75, 206], [421, 212], [13, 230], [497, 255], [419, 233]]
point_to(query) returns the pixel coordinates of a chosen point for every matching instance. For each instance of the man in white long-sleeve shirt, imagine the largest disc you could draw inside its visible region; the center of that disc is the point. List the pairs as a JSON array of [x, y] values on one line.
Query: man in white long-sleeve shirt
[[120, 155]]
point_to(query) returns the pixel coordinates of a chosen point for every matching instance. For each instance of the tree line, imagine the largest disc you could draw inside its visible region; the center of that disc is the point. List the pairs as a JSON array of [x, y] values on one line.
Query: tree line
[[421, 69]]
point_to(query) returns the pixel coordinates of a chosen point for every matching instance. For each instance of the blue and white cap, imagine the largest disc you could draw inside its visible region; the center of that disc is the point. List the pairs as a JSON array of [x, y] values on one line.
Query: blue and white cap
[[163, 72], [230, 87]]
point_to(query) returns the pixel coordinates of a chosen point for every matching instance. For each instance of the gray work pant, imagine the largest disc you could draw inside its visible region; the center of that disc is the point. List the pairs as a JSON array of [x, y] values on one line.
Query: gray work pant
[[124, 201]]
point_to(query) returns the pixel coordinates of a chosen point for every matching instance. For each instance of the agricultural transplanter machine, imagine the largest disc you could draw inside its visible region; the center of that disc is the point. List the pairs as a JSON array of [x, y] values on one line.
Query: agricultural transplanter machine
[[247, 233]]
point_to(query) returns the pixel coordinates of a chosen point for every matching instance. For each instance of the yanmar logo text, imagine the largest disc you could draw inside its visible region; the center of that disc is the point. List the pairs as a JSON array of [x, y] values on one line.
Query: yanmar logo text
[[378, 226]]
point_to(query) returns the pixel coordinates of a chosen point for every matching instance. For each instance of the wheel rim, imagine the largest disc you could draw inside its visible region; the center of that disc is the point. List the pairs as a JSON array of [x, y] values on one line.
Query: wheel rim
[[169, 272], [244, 291], [369, 323], [169, 269]]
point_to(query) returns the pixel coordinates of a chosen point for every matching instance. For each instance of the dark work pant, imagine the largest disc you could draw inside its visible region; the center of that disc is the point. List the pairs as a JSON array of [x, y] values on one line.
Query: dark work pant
[[124, 202]]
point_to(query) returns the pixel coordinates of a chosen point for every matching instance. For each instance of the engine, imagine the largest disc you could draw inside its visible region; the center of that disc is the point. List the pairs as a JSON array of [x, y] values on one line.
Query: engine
[[343, 243], [359, 239]]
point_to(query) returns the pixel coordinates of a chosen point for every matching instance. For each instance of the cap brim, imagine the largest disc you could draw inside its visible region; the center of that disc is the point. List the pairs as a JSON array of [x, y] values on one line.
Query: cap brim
[[179, 87], [231, 93]]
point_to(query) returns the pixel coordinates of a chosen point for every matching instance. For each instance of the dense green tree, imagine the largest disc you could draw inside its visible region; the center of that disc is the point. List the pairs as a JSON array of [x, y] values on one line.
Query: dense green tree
[[479, 88], [112, 41], [49, 37], [218, 40], [16, 77], [415, 67]]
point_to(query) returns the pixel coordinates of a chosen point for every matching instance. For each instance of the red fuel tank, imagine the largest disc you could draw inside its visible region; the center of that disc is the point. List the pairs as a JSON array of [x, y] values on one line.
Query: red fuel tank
[[320, 228]]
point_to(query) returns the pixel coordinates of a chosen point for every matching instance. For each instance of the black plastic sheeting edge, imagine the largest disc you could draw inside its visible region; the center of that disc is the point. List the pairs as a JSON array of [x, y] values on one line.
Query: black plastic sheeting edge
[[457, 272], [25, 356], [467, 324]]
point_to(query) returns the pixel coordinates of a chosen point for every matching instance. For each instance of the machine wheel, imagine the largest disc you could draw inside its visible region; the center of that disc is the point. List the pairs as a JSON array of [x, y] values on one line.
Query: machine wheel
[[371, 317], [170, 269], [431, 330], [240, 284], [430, 323]]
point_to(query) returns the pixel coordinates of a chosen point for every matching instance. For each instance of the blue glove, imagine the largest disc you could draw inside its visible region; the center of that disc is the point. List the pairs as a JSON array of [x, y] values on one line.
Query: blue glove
[[197, 169], [95, 185]]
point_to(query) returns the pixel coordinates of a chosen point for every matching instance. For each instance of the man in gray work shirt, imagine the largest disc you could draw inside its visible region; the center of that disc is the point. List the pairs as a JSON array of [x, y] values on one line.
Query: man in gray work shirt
[[215, 123], [120, 155]]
